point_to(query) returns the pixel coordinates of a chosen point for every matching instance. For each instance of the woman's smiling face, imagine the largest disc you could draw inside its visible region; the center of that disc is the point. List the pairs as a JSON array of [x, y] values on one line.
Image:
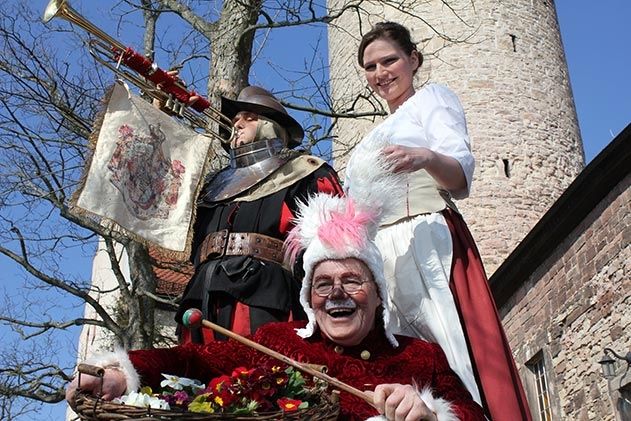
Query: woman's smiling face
[[390, 71]]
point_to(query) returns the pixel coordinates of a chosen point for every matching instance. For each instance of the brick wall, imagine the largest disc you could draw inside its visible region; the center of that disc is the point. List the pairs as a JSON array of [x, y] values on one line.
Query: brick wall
[[575, 304]]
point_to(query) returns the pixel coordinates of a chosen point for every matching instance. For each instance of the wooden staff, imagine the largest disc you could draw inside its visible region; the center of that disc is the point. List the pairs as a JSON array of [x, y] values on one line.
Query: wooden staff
[[193, 318]]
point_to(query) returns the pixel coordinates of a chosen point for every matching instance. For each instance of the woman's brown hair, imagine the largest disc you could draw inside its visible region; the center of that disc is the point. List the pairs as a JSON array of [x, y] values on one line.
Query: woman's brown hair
[[394, 32]]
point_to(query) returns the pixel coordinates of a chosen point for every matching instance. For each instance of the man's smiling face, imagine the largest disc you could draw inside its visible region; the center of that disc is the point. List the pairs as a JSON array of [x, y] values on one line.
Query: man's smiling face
[[344, 318]]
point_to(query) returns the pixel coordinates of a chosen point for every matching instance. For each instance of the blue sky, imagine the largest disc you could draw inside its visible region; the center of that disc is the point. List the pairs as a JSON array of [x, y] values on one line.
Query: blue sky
[[598, 51], [597, 45]]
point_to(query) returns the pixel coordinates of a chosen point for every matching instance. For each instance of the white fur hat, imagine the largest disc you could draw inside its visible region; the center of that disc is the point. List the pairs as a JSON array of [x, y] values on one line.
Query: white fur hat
[[332, 227]]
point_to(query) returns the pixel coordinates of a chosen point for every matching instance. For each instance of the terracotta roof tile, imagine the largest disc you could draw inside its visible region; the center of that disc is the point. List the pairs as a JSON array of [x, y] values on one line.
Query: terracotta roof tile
[[172, 275]]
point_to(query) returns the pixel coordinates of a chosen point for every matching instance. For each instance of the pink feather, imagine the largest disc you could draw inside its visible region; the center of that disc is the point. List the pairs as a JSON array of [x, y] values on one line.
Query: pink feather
[[293, 245], [346, 229]]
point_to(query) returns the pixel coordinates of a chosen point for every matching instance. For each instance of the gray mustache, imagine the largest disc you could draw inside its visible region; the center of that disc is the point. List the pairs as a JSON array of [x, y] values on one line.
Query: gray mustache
[[334, 304]]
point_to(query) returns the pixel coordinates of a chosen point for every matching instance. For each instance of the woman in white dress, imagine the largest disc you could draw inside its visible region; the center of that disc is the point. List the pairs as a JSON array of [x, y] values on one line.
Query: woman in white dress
[[437, 283]]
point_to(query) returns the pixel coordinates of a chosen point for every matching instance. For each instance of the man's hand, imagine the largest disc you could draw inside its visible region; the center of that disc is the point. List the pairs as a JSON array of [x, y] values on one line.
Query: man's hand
[[175, 73], [401, 402], [114, 385]]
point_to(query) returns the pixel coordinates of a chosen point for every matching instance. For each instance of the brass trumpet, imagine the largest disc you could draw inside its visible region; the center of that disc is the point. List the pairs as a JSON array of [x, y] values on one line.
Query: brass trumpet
[[151, 79]]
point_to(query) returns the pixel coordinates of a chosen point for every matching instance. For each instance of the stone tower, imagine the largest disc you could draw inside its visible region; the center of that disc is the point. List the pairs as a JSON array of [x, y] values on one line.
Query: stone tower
[[505, 60]]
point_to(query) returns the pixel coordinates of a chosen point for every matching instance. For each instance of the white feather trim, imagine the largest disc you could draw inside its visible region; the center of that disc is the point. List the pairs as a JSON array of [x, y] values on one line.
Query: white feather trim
[[118, 360], [442, 408], [370, 181], [374, 191], [377, 418], [312, 214]]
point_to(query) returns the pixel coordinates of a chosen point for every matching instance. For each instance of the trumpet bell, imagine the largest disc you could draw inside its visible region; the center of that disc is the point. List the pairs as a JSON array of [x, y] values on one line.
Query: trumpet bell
[[152, 80], [53, 9]]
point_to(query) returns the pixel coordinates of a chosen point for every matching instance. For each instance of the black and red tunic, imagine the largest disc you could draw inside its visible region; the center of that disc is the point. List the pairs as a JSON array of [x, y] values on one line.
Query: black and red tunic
[[241, 293]]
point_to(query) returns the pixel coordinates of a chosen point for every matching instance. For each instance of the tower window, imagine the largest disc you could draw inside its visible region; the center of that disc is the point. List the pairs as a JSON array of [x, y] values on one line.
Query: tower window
[[513, 39], [506, 167], [538, 369]]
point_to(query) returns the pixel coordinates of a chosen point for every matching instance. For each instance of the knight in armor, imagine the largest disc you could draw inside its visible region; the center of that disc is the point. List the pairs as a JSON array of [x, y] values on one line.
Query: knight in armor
[[244, 213]]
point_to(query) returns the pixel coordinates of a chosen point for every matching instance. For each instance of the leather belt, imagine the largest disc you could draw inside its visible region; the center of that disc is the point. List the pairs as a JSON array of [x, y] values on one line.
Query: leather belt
[[224, 243]]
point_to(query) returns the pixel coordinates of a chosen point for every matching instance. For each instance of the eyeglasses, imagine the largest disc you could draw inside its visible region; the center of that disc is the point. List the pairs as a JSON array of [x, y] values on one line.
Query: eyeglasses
[[324, 287]]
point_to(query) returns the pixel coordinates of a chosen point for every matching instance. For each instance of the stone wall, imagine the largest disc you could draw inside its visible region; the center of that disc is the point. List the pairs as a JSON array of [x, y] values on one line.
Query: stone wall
[[505, 61], [575, 304]]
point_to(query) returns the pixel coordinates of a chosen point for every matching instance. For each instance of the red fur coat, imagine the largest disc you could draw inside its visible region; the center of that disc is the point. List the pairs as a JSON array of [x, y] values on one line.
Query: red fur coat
[[413, 362]]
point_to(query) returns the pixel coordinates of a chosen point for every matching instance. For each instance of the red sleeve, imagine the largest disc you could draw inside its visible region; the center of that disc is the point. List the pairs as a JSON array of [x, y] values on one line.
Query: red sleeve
[[322, 180], [194, 361], [329, 183], [215, 358]]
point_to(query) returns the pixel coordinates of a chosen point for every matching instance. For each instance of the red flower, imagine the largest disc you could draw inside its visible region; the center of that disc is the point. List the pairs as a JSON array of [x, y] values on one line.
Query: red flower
[[264, 387], [281, 378], [288, 405], [241, 373], [221, 391], [219, 384]]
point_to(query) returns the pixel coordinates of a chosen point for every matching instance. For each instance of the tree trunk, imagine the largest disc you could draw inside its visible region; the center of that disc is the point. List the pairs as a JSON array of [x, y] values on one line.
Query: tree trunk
[[150, 16], [141, 327], [232, 53]]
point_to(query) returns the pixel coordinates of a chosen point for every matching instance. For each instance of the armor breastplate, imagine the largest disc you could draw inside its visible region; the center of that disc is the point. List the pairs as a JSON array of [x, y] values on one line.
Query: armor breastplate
[[249, 165]]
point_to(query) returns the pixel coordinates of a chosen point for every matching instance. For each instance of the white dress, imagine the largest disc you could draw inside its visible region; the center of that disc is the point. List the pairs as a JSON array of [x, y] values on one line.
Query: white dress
[[417, 251]]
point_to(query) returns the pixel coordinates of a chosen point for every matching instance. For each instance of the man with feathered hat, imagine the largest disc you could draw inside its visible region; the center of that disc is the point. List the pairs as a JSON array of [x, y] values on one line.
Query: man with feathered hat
[[243, 215], [344, 295]]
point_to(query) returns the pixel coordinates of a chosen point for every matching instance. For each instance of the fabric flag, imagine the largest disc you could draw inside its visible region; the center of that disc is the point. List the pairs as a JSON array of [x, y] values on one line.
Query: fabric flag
[[144, 173]]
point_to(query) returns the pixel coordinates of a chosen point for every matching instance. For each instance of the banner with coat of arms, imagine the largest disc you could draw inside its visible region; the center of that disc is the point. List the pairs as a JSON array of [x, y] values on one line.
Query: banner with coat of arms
[[144, 173]]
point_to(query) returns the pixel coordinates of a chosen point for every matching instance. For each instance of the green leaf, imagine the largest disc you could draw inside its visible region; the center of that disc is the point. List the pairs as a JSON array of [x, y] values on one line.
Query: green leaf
[[247, 409]]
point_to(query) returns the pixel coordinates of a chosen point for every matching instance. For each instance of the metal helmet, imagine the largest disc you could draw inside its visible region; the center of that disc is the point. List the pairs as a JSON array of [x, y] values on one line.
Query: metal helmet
[[259, 101]]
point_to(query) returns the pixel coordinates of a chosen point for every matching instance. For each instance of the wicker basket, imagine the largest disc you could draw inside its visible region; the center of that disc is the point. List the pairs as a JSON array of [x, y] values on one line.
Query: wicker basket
[[92, 409]]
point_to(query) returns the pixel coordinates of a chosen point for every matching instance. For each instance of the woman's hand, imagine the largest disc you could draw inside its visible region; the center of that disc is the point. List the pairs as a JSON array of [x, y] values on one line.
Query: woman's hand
[[114, 385], [444, 169], [401, 402], [408, 159]]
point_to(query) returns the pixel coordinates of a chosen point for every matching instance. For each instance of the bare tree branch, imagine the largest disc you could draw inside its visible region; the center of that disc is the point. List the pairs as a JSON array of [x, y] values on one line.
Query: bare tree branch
[[50, 93]]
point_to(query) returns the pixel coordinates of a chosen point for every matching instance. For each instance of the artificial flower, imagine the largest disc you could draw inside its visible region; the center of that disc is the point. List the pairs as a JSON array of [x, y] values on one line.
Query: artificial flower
[[179, 383], [202, 404], [219, 384], [179, 399], [143, 400], [289, 405], [244, 392]]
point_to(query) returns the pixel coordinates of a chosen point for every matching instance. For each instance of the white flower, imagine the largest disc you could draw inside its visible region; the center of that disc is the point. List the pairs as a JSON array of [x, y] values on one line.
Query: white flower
[[178, 383], [142, 400]]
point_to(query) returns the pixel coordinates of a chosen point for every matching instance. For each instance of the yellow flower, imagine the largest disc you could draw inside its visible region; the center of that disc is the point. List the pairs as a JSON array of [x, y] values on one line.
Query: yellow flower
[[201, 405], [146, 390]]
